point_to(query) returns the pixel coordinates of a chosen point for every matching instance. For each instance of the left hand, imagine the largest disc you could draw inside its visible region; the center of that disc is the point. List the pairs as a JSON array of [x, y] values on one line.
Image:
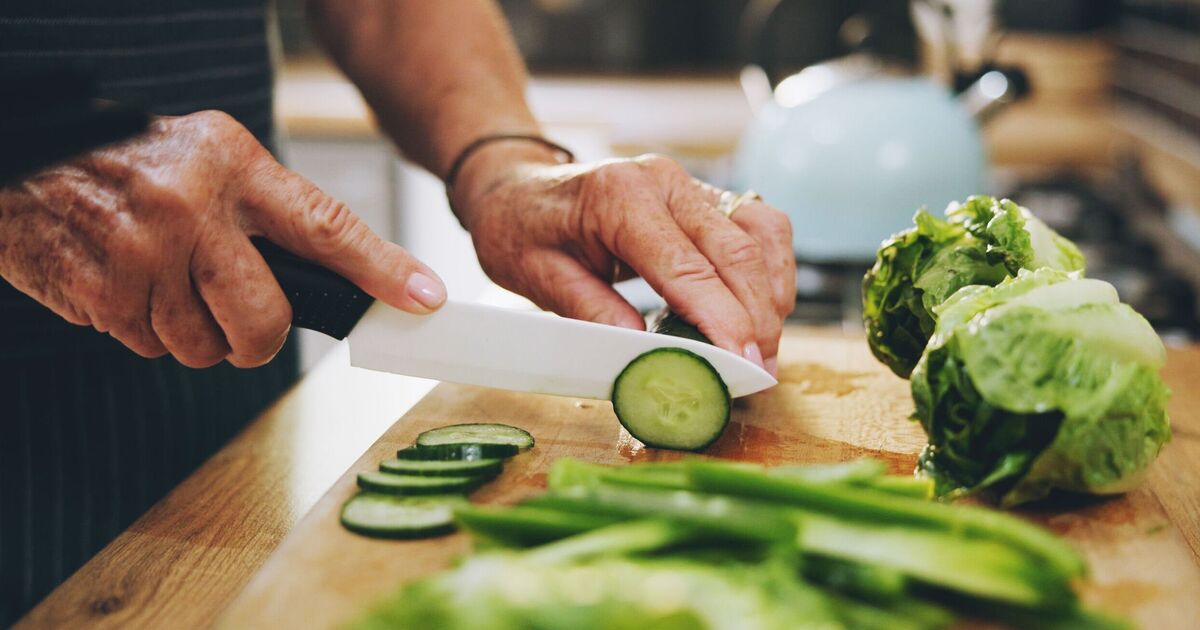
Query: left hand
[[558, 234]]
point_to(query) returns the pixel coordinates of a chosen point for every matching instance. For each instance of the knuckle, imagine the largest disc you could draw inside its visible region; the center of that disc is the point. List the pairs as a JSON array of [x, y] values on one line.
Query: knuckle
[[137, 338], [741, 251], [785, 294], [135, 250], [204, 356], [188, 337], [770, 330], [216, 121], [260, 339], [777, 220], [330, 224], [599, 183], [277, 320], [223, 134], [85, 291], [689, 272], [658, 163]]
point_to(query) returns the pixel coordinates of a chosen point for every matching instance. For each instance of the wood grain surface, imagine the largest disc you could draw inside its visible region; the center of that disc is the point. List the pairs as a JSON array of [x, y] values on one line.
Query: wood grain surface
[[183, 561], [834, 402]]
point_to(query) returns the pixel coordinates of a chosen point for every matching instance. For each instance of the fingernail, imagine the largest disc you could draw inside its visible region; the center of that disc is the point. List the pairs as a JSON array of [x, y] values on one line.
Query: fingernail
[[772, 366], [753, 354], [425, 290]]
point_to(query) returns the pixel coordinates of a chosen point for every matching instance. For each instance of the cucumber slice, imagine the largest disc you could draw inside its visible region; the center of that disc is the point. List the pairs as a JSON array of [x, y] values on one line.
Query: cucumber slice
[[389, 483], [387, 516], [479, 433], [464, 452], [479, 468], [672, 398]]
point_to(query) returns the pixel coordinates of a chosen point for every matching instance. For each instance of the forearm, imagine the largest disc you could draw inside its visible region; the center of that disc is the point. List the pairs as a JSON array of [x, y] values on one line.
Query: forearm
[[438, 74]]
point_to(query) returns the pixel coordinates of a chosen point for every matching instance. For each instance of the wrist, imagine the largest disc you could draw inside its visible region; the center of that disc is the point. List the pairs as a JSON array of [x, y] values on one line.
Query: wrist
[[493, 164]]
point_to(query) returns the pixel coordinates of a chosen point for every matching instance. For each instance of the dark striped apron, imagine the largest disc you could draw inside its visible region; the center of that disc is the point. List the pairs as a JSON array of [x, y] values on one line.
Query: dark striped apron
[[91, 434]]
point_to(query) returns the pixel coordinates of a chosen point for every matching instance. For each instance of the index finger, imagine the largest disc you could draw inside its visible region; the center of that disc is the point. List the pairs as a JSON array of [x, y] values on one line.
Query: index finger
[[647, 238], [295, 214]]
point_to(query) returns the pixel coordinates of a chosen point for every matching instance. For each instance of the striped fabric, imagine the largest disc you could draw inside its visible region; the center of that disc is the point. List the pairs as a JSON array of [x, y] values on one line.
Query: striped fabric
[[173, 56], [90, 434]]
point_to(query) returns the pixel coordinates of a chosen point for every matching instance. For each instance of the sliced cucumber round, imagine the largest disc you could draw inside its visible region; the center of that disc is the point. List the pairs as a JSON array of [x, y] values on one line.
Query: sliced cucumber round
[[463, 452], [478, 433], [480, 468], [388, 516], [389, 483], [672, 398]]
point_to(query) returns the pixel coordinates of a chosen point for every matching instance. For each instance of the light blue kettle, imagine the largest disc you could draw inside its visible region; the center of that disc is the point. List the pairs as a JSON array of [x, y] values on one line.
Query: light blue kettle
[[849, 154]]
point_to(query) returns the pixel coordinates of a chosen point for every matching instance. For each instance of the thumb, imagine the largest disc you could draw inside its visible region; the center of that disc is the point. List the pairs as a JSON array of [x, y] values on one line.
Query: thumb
[[293, 213]]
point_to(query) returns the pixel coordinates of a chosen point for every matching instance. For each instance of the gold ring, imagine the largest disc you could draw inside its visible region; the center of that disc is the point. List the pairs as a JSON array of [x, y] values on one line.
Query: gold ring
[[729, 201]]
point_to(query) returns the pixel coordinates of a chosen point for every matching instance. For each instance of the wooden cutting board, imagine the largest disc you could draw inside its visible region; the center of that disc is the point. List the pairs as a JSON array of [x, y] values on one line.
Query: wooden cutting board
[[834, 402]]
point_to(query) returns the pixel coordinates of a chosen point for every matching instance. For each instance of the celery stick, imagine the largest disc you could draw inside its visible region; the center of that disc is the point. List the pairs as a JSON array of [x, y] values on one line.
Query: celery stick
[[861, 469], [522, 526], [917, 488], [620, 538], [873, 505], [715, 515], [983, 568]]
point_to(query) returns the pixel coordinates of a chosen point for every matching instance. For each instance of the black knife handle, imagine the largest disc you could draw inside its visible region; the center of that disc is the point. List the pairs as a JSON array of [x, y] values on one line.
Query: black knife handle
[[321, 299]]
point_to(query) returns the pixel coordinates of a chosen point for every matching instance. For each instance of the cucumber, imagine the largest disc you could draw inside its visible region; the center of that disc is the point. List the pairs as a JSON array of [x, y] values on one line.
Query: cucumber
[[667, 322], [387, 516], [463, 452], [479, 468], [388, 483], [672, 398], [476, 433]]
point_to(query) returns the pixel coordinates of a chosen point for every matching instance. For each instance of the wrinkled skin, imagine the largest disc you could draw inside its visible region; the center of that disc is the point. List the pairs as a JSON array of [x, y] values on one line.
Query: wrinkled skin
[[148, 240], [561, 234]]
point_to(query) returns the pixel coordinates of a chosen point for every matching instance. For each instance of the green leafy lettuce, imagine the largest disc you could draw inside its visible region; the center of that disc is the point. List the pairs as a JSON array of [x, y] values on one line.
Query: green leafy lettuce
[[1044, 381], [980, 242]]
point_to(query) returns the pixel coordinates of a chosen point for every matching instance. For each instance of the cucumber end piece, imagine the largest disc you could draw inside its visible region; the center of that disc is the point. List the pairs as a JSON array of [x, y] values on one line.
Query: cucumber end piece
[[672, 398]]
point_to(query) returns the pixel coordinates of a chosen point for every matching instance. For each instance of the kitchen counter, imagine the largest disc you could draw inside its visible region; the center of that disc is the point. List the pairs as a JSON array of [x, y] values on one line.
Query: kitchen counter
[[183, 562], [683, 115]]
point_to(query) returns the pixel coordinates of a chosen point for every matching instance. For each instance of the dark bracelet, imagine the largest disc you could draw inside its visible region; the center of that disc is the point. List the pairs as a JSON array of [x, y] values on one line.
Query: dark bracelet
[[482, 141]]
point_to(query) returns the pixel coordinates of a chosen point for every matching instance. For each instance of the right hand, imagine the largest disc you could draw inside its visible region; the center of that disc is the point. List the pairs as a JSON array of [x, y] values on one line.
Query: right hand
[[149, 241]]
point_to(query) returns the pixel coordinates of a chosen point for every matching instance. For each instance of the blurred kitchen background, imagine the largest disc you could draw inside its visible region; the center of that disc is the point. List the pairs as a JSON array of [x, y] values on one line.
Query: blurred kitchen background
[[847, 114]]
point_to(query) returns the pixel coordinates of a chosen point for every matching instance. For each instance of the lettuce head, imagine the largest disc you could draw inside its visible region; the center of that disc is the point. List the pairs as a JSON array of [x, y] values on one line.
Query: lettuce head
[[980, 242], [1044, 381]]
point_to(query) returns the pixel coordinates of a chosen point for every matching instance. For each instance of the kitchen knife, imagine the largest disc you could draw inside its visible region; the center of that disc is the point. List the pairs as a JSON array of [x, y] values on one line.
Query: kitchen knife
[[475, 344]]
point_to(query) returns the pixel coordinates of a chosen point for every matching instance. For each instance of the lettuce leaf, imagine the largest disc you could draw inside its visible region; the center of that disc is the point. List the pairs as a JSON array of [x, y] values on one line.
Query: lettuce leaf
[[980, 242], [1045, 381]]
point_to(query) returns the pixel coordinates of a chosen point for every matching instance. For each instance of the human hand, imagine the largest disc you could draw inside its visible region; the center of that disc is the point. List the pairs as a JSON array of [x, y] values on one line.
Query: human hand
[[558, 234], [149, 241]]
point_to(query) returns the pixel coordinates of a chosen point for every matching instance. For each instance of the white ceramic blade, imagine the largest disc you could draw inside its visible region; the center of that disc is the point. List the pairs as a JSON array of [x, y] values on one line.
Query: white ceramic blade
[[524, 351]]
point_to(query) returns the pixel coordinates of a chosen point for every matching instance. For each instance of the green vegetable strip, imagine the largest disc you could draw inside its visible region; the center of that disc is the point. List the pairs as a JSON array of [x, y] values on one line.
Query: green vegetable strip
[[908, 614], [526, 525], [887, 508], [716, 515], [861, 469], [874, 583], [980, 567], [622, 538], [904, 486], [566, 473]]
